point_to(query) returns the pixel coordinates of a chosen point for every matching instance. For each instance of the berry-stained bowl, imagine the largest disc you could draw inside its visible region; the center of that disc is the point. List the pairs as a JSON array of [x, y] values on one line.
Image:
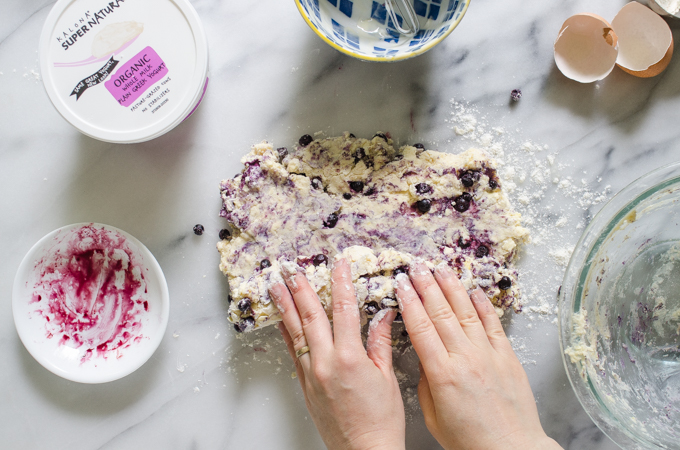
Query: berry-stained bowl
[[383, 30], [619, 314], [90, 303]]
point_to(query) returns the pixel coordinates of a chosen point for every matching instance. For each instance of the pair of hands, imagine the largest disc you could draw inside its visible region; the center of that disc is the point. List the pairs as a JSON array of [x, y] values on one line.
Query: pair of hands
[[473, 391]]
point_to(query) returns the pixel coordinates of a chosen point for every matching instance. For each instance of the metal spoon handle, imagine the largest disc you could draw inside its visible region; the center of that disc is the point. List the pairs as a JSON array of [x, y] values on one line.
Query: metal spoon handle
[[405, 9]]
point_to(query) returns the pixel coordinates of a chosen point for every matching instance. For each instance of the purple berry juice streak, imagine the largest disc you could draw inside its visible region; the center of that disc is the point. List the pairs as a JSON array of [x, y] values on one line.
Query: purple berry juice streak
[[91, 292]]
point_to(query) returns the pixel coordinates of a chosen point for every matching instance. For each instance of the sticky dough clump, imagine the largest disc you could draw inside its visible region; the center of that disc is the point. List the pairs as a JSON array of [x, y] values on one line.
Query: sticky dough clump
[[377, 207]]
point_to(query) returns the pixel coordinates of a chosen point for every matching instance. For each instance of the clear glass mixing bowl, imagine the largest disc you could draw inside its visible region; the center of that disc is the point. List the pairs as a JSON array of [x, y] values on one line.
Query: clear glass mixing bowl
[[619, 314]]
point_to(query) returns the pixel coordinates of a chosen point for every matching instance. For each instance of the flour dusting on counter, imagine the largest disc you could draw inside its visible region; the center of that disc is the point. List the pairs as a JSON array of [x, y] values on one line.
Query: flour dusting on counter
[[535, 179]]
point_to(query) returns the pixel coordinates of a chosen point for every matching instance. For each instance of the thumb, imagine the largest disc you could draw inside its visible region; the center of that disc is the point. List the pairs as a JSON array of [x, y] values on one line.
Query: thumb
[[379, 341]]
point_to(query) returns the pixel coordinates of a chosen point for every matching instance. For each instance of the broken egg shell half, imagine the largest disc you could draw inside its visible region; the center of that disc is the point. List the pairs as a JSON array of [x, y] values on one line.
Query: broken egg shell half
[[645, 41], [586, 48]]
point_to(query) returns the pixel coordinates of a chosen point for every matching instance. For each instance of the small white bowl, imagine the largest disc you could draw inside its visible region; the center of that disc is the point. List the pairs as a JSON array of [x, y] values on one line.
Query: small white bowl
[[48, 303]]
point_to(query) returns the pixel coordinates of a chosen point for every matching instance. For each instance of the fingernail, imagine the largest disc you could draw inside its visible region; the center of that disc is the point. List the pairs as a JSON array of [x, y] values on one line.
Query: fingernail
[[338, 261], [276, 295], [403, 284], [419, 268], [379, 317], [288, 268], [274, 279], [478, 296], [444, 271], [289, 271]]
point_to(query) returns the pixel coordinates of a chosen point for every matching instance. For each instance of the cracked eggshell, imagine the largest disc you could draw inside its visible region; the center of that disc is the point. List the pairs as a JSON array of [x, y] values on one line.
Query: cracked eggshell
[[645, 41], [586, 48]]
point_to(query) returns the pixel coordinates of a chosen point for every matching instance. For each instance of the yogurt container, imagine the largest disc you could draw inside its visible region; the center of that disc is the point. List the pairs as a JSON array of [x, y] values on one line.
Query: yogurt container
[[124, 71]]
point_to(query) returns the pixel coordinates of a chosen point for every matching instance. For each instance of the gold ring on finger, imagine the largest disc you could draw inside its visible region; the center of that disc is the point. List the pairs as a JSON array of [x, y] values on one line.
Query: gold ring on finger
[[302, 351]]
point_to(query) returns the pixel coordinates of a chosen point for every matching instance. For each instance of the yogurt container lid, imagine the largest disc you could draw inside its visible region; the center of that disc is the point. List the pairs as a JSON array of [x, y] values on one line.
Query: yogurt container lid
[[124, 70]]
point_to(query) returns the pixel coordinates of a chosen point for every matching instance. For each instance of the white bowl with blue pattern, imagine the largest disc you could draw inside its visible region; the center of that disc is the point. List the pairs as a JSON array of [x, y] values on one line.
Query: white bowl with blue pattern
[[366, 30]]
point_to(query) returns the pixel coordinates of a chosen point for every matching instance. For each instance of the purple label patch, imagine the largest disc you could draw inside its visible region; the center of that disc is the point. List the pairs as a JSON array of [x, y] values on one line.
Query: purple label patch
[[136, 76]]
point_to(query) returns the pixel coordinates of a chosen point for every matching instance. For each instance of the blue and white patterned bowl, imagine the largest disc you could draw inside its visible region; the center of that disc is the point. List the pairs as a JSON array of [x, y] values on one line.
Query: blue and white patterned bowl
[[365, 30]]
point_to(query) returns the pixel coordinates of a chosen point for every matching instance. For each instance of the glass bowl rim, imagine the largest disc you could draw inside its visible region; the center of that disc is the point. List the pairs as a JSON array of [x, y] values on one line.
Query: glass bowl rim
[[569, 295]]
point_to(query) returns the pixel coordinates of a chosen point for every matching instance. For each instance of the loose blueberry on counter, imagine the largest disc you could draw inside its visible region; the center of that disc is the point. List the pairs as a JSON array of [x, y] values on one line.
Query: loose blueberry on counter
[[305, 140], [244, 305], [381, 135], [423, 205], [347, 196], [245, 325], [283, 152], [505, 283], [265, 263], [420, 146], [468, 179], [331, 220], [423, 188], [356, 186], [198, 229], [224, 234], [482, 251], [372, 308], [316, 183], [320, 259], [462, 203], [515, 95], [493, 184]]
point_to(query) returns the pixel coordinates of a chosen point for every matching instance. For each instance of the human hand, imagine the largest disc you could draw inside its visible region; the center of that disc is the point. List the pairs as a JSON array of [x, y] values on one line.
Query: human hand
[[473, 390], [352, 393]]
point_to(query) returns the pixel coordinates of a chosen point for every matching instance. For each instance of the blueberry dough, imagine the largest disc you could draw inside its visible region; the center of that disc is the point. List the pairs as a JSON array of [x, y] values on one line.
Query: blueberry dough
[[378, 207]]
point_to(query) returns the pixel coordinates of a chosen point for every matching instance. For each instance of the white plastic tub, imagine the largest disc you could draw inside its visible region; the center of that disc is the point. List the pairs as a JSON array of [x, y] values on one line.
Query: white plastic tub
[[124, 71]]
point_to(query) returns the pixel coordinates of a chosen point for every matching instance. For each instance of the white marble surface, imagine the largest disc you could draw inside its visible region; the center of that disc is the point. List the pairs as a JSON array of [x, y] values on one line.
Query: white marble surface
[[204, 388]]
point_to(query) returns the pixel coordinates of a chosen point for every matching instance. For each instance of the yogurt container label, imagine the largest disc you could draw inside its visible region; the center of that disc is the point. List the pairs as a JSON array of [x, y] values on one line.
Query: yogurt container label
[[124, 70], [133, 79]]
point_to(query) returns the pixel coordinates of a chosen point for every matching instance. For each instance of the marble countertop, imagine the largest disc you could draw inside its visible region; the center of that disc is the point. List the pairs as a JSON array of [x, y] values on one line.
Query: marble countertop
[[206, 387]]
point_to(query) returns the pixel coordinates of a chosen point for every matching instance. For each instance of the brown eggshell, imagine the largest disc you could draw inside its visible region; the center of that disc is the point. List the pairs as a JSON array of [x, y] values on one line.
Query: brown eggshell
[[645, 41]]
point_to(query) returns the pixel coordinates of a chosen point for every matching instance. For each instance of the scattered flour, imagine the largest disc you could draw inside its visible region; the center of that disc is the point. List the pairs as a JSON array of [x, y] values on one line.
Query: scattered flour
[[561, 255], [554, 204]]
